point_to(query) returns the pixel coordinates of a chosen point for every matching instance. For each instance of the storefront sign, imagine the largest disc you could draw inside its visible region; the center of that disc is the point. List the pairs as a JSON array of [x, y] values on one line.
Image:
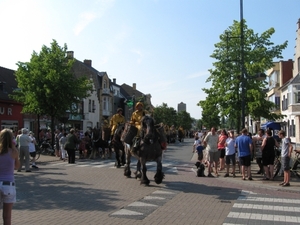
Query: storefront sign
[[5, 111]]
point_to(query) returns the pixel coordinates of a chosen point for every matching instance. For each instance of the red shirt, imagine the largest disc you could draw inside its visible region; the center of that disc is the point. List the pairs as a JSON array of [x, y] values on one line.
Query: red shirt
[[222, 140]]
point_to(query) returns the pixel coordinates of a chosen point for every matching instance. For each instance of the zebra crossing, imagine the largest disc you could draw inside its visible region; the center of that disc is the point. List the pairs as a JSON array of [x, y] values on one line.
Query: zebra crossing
[[252, 208], [168, 166], [140, 209]]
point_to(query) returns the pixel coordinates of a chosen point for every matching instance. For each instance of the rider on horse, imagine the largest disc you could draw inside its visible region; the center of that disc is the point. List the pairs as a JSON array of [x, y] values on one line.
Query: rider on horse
[[116, 120], [135, 120]]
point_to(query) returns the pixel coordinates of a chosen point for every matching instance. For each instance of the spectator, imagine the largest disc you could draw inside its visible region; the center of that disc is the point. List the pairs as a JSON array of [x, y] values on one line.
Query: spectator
[[221, 147], [62, 142], [32, 150], [244, 145], [23, 143], [70, 145], [286, 151], [230, 153], [258, 139], [8, 162], [58, 135], [213, 155]]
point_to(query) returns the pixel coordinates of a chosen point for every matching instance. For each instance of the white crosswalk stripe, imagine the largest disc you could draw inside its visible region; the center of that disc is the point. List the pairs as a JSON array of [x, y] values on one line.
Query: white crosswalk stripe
[[168, 167], [252, 208]]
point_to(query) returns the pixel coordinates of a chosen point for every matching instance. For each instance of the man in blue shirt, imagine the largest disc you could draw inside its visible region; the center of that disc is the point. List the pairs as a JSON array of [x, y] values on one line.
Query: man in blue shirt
[[244, 145]]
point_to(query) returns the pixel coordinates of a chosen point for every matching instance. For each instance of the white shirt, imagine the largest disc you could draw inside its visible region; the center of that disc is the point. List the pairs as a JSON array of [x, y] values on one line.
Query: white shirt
[[32, 145], [230, 149]]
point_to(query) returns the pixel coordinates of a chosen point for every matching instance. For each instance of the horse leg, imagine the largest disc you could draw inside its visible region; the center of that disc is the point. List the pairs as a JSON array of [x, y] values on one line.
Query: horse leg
[[144, 178], [122, 158], [127, 171], [138, 174], [159, 176], [118, 161]]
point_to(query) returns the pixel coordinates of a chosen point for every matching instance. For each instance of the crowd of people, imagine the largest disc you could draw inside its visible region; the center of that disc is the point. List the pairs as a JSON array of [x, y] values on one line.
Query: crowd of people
[[220, 149]]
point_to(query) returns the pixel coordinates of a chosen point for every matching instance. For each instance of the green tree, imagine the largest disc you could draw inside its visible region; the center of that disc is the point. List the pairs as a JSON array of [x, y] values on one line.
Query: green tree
[[224, 94], [46, 85], [184, 120], [166, 115]]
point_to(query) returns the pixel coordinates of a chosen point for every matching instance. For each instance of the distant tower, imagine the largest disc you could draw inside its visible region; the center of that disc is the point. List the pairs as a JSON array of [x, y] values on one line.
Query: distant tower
[[181, 107]]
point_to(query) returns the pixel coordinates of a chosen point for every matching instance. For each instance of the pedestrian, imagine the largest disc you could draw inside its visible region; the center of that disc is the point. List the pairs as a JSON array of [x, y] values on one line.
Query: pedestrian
[[286, 152], [230, 153], [32, 150], [70, 145], [9, 161], [221, 147], [58, 135], [268, 155], [257, 142], [213, 155], [197, 147], [23, 143], [244, 145], [62, 142]]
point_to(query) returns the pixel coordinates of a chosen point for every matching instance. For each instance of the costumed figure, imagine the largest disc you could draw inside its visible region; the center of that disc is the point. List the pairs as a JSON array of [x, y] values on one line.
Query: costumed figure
[[115, 121], [135, 120]]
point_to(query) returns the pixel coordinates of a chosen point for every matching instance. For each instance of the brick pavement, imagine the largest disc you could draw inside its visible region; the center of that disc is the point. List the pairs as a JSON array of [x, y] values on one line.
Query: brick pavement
[[87, 195]]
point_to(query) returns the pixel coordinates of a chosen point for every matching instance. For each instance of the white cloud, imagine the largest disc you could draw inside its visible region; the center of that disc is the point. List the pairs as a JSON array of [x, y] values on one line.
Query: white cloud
[[139, 53], [85, 19], [198, 74]]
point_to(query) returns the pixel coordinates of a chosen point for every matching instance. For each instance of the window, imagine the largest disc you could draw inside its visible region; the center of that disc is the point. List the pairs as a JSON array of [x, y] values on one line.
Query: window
[[277, 102], [94, 106], [292, 129], [296, 94], [104, 103], [298, 64], [90, 105]]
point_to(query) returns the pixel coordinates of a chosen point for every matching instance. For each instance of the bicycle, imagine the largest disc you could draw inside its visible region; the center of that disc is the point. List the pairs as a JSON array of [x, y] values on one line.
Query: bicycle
[[277, 162], [295, 169]]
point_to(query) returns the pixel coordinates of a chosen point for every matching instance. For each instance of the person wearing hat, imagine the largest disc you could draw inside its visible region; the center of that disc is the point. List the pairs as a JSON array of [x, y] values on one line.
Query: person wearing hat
[[116, 120], [135, 120]]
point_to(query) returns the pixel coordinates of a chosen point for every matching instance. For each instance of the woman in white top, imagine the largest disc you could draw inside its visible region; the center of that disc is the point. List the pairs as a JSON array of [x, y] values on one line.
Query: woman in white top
[[230, 153]]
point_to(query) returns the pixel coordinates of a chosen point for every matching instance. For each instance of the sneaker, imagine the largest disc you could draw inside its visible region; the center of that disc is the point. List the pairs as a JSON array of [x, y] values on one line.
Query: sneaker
[[282, 183], [210, 175], [28, 171], [226, 175], [286, 185], [250, 178], [34, 166], [233, 175]]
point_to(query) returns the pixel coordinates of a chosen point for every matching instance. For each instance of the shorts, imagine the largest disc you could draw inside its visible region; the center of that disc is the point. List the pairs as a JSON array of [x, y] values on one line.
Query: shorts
[[230, 158], [32, 154], [222, 152], [245, 160], [285, 161], [213, 156], [7, 193], [200, 156]]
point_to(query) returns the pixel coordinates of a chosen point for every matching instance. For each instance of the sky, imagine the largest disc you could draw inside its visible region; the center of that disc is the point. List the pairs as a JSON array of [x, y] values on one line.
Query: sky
[[163, 46]]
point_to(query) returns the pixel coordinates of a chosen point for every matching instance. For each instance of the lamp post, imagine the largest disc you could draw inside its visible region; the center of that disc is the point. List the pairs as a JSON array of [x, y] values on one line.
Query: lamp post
[[242, 65]]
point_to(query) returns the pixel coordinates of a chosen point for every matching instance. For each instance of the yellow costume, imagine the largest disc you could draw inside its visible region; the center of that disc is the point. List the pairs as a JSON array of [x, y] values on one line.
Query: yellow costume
[[116, 120], [137, 115]]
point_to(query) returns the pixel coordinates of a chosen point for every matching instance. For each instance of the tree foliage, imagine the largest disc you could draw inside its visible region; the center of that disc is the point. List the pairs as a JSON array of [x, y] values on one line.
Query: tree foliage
[[166, 115], [46, 85], [184, 120], [223, 98]]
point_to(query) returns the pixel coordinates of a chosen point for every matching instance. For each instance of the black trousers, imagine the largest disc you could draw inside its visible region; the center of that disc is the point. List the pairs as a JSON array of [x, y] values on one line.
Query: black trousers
[[71, 154]]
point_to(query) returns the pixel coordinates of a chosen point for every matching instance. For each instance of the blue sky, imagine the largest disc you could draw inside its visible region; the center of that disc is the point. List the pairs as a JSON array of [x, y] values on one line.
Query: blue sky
[[163, 46]]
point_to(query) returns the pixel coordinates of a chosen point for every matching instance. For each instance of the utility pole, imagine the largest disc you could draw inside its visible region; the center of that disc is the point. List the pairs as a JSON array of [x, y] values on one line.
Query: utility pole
[[243, 76]]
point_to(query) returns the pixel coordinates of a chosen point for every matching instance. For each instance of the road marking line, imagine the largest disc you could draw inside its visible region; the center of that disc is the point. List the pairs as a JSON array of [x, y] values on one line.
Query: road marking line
[[142, 204], [164, 192], [275, 200], [263, 217], [266, 207], [127, 212], [104, 165], [153, 197]]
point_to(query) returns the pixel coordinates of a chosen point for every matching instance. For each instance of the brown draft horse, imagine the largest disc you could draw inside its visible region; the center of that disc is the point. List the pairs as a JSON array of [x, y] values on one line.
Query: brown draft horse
[[118, 146], [150, 150]]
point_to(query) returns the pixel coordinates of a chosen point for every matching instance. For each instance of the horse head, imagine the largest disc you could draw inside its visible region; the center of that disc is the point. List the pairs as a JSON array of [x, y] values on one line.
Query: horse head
[[148, 129]]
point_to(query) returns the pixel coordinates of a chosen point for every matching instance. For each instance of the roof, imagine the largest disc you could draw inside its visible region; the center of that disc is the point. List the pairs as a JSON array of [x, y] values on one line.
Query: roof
[[127, 91]]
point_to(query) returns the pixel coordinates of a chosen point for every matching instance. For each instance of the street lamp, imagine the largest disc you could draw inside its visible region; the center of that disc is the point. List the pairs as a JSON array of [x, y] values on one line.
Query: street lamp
[[244, 77]]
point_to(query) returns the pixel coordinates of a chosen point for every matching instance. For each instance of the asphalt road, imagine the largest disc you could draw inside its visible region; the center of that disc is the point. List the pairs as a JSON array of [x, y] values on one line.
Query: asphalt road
[[95, 192]]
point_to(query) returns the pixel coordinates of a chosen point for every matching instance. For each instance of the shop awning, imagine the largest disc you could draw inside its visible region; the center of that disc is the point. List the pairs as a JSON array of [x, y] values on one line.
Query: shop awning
[[271, 125]]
